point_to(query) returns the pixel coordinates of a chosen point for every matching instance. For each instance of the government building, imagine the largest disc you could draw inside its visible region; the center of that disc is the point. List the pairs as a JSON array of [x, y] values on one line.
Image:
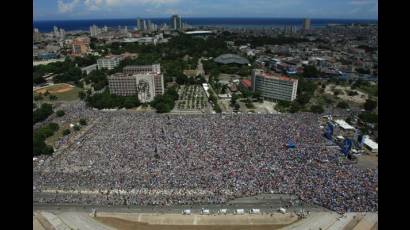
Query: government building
[[274, 87], [144, 81]]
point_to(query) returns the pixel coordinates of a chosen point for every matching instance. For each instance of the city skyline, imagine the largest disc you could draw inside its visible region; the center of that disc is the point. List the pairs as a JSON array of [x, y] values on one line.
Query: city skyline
[[120, 9]]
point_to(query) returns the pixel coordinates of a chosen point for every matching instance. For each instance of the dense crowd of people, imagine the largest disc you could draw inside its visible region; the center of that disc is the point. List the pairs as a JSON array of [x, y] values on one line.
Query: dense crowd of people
[[129, 158]]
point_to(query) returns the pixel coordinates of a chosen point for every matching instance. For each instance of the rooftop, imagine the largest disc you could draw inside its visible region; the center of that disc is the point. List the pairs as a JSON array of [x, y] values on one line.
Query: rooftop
[[246, 83], [260, 72], [231, 58]]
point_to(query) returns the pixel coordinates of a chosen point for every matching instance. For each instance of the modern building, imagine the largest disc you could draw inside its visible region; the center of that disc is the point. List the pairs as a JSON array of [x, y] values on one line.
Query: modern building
[[46, 56], [108, 62], [94, 30], [176, 22], [55, 30], [274, 87], [138, 80], [88, 69], [141, 24], [80, 46], [142, 69], [306, 24], [231, 59], [62, 34], [36, 35]]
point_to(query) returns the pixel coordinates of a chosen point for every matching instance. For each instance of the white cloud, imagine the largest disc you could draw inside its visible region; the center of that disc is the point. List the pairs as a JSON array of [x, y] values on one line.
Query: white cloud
[[67, 7], [138, 2], [93, 4], [362, 2]]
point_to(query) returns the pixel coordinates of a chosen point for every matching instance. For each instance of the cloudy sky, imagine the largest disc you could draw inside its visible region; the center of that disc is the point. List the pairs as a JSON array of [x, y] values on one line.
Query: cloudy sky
[[93, 9]]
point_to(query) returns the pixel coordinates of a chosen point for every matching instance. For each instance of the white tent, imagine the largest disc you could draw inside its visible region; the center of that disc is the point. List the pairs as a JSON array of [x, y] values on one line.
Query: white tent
[[239, 211], [187, 212], [223, 211], [373, 146], [282, 210], [255, 211], [205, 212], [344, 125]]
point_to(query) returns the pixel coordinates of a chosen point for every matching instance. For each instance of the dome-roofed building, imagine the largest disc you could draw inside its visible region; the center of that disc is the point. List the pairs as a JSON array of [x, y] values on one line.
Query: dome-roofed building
[[231, 59]]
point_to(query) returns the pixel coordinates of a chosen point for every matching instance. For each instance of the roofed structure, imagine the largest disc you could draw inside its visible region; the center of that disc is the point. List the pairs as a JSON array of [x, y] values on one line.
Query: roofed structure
[[231, 59]]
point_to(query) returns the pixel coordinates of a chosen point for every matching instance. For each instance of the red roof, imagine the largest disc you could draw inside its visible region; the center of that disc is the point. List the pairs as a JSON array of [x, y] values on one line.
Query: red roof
[[247, 83]]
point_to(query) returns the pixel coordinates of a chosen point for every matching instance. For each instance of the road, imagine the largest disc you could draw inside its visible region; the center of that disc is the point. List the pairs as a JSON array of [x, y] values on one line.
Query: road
[[81, 220]]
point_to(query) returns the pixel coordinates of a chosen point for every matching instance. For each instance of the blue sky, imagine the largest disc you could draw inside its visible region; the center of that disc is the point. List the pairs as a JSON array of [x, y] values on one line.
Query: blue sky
[[93, 9]]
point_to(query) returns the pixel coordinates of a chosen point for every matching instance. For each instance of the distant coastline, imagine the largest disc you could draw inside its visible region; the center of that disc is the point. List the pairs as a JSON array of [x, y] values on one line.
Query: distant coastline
[[70, 25]]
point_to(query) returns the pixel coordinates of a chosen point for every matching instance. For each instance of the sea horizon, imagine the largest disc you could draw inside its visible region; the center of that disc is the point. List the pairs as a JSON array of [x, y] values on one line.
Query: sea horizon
[[256, 22]]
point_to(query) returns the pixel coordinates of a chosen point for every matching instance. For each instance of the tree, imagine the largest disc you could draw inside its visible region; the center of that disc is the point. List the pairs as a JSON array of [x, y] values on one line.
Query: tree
[[34, 105], [42, 113], [38, 97], [52, 97], [337, 92], [130, 102], [310, 71], [368, 117], [83, 122], [38, 80], [76, 127], [370, 105], [342, 105], [303, 99], [39, 136], [363, 71], [352, 93], [81, 95], [294, 107], [66, 132], [60, 113], [317, 109]]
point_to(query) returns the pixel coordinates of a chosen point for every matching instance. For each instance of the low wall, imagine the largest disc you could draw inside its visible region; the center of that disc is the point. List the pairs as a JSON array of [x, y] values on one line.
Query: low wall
[[194, 219]]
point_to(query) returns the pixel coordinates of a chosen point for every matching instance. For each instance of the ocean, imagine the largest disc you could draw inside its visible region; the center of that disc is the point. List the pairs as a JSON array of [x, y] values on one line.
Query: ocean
[[70, 25]]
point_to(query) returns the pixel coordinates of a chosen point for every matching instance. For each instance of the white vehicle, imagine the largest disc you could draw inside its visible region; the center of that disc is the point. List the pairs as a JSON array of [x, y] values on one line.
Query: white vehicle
[[255, 211], [186, 212], [282, 210], [223, 211], [35, 159], [205, 212], [71, 125], [240, 211]]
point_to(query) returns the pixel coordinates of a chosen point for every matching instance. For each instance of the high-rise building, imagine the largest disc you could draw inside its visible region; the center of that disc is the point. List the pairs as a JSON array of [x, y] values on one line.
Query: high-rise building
[[36, 35], [105, 29], [274, 87], [62, 34], [141, 24], [144, 81], [176, 22], [306, 24], [94, 30], [56, 33]]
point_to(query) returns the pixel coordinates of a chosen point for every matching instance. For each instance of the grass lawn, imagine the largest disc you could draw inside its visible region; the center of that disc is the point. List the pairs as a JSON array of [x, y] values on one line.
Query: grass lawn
[[71, 95]]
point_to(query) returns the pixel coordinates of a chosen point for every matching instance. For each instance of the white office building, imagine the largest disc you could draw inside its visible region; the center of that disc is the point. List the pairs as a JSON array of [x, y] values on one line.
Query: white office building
[[109, 62], [274, 87], [94, 30], [138, 80]]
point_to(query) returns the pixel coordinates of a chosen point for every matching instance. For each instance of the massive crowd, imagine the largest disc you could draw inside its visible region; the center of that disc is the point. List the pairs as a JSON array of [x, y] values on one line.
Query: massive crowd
[[131, 158]]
